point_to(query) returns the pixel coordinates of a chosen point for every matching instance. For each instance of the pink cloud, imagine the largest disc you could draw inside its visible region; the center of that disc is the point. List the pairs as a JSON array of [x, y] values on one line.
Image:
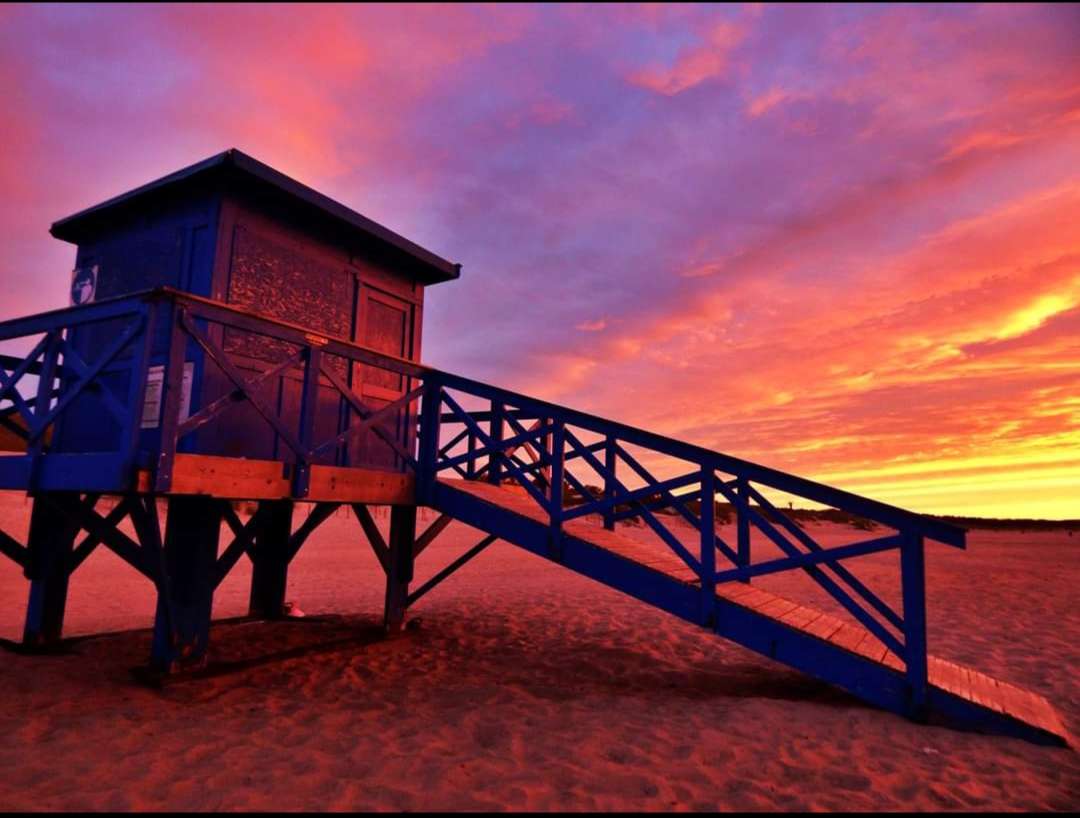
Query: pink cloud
[[693, 65]]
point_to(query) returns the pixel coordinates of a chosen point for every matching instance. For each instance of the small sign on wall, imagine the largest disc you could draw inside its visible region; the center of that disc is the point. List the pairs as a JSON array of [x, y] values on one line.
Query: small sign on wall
[[84, 284], [155, 380]]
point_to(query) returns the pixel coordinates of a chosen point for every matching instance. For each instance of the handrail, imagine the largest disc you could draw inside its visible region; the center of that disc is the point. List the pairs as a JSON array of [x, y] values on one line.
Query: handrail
[[808, 489], [118, 306]]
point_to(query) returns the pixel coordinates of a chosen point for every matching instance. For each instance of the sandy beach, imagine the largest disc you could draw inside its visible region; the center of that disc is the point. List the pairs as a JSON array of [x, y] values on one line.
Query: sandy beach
[[524, 686]]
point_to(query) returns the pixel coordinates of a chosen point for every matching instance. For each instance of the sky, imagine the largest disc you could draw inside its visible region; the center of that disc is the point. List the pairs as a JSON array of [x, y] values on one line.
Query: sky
[[842, 241]]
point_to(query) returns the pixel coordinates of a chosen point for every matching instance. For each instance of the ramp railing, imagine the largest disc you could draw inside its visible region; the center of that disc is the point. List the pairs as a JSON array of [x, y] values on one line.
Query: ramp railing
[[573, 465]]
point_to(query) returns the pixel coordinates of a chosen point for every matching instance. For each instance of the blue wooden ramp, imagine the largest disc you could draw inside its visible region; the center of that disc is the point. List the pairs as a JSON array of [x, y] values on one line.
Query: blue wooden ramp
[[823, 645]]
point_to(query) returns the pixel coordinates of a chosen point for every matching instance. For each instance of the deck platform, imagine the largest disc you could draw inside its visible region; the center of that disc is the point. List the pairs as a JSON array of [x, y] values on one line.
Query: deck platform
[[226, 478], [1025, 708]]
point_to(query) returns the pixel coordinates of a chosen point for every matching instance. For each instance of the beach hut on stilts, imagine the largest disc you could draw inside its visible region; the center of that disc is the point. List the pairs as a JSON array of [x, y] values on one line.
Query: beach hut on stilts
[[233, 335]]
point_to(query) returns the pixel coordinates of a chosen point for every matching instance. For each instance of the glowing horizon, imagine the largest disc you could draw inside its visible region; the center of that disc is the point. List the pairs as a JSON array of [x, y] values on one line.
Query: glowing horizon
[[840, 241]]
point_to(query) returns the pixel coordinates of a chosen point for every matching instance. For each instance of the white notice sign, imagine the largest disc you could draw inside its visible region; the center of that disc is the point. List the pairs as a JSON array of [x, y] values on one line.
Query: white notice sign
[[155, 378]]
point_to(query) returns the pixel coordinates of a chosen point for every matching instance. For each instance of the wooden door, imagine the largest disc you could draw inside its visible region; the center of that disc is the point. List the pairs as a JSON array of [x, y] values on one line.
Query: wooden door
[[385, 324]]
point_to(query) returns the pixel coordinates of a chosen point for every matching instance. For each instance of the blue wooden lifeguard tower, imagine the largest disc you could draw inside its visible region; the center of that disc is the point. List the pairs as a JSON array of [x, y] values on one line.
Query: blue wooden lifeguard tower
[[235, 335]]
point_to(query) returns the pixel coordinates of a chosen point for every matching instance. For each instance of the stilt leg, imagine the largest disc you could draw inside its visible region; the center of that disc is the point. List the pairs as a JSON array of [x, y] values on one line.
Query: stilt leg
[[185, 596], [52, 537], [399, 565], [273, 526]]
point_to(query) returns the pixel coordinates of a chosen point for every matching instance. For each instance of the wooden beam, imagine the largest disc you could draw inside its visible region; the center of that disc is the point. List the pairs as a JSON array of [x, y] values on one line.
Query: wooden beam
[[431, 532], [451, 568], [238, 478], [318, 515], [12, 549], [378, 544]]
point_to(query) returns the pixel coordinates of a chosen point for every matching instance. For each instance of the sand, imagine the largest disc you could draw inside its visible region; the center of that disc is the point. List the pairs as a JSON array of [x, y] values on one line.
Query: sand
[[524, 687]]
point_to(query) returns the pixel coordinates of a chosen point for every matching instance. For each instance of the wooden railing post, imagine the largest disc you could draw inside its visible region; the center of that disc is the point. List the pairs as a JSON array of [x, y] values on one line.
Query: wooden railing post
[[46, 379], [309, 402], [558, 445], [140, 364], [545, 449], [610, 462], [742, 520], [429, 439], [494, 462], [913, 584], [708, 546], [172, 385]]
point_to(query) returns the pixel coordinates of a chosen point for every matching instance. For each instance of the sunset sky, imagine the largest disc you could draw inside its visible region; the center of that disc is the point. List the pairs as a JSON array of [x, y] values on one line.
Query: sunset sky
[[841, 241]]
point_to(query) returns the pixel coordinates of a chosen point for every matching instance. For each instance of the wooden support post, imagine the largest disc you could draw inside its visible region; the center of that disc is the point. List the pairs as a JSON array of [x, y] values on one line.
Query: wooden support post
[[52, 537], [708, 546], [610, 461], [185, 593], [913, 584], [494, 461], [399, 565], [273, 529], [742, 512], [555, 497]]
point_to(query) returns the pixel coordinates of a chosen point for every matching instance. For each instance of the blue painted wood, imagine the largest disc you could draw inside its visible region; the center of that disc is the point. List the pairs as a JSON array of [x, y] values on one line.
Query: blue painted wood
[[495, 466], [622, 492], [678, 502], [708, 546], [171, 396], [913, 582], [633, 495], [808, 489], [185, 596], [49, 547], [823, 556], [826, 582], [868, 680], [742, 522], [497, 448], [610, 466], [857, 585], [555, 491], [496, 455]]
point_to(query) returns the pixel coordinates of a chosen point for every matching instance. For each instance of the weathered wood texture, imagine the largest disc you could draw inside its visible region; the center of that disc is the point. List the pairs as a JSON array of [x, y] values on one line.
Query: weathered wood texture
[[237, 478]]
